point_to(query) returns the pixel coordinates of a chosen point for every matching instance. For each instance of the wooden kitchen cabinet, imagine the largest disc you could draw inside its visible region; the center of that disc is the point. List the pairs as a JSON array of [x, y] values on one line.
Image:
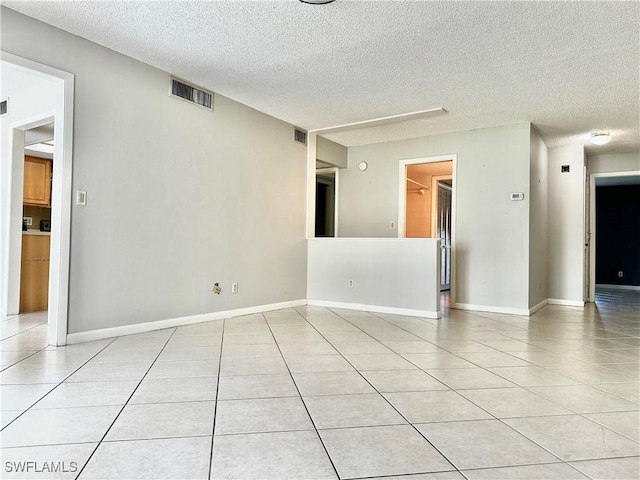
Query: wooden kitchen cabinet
[[34, 273], [37, 181]]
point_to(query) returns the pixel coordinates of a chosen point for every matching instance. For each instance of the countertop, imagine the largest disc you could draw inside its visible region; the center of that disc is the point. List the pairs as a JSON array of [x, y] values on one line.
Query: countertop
[[35, 232]]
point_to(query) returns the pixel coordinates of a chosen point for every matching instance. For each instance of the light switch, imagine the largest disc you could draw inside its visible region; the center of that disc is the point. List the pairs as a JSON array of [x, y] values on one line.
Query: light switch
[[81, 197]]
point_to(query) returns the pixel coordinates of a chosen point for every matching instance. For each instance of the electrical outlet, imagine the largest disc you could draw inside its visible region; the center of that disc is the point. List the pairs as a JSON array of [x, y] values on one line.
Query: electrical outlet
[[392, 225], [216, 288], [28, 221], [620, 274], [234, 287], [350, 283]]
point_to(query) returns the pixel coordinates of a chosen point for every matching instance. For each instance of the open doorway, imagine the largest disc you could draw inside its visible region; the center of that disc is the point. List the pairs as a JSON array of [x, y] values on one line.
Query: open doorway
[[36, 96], [36, 219], [427, 207], [614, 233], [326, 202]]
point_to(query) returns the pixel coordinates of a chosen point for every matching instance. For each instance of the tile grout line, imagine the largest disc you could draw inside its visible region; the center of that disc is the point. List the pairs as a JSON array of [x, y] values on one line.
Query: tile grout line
[[24, 331], [215, 404], [28, 356], [124, 405], [489, 413], [479, 366], [58, 383], [304, 404], [455, 390], [420, 369], [376, 390]]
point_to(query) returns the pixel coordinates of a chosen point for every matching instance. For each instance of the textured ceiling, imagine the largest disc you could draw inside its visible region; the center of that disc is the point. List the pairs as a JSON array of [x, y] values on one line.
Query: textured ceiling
[[568, 67]]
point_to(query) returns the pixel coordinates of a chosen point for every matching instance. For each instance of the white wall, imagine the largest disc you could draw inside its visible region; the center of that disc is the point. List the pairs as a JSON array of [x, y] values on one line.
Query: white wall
[[40, 98], [331, 152], [399, 275], [216, 206], [566, 224], [492, 232], [538, 221], [614, 162]]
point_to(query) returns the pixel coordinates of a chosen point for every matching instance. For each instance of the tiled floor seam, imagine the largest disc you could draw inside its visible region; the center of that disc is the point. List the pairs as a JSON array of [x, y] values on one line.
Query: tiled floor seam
[[376, 390], [22, 359], [58, 383], [532, 464], [455, 390], [23, 331], [124, 405], [301, 397], [451, 352], [215, 405]]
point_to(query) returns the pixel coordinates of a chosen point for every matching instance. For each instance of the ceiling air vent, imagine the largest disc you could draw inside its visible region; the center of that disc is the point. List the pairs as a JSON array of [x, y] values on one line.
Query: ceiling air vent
[[300, 136], [191, 93], [3, 107]]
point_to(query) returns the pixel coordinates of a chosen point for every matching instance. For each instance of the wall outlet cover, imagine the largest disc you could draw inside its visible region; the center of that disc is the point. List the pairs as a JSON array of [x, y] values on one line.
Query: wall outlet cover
[[28, 220], [234, 287]]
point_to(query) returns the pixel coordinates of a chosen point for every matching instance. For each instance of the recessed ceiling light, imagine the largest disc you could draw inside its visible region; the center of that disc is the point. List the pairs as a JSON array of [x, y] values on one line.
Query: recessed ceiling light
[[317, 2], [600, 138]]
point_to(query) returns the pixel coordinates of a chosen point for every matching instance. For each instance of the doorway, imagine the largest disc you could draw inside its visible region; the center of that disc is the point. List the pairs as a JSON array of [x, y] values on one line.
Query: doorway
[[612, 237], [36, 219], [51, 100], [426, 208], [326, 202]]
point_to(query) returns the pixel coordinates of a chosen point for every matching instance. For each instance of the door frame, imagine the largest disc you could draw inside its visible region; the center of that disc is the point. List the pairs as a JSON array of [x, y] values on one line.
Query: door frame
[[336, 176], [402, 204], [61, 198], [590, 234]]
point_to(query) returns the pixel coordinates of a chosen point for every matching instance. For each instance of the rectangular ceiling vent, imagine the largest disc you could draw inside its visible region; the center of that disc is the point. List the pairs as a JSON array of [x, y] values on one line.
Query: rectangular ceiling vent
[[300, 136], [3, 107], [191, 93]]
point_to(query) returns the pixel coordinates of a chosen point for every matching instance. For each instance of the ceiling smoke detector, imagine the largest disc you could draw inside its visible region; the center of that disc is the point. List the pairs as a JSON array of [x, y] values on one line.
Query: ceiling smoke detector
[[600, 138]]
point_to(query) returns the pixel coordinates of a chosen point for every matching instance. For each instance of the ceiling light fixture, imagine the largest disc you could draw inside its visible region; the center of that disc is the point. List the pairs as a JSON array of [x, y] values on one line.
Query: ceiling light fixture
[[600, 138], [317, 2]]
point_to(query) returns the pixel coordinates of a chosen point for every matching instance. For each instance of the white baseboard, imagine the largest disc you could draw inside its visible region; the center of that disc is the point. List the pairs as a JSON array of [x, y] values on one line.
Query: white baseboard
[[375, 308], [537, 307], [491, 309], [618, 287], [176, 322], [566, 303]]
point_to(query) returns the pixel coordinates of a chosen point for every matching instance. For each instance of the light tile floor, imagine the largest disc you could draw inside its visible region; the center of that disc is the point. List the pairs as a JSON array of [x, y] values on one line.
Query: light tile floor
[[324, 393]]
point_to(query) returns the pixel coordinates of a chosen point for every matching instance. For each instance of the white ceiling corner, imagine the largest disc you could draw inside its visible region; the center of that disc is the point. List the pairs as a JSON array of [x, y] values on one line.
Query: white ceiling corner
[[568, 67]]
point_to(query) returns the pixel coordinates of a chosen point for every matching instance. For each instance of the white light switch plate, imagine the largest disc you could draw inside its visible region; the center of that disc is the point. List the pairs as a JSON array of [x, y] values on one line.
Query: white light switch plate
[[81, 197]]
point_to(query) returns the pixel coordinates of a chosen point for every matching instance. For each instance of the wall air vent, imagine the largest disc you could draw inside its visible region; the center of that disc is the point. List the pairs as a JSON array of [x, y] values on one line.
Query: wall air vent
[[300, 136], [191, 93], [3, 107]]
